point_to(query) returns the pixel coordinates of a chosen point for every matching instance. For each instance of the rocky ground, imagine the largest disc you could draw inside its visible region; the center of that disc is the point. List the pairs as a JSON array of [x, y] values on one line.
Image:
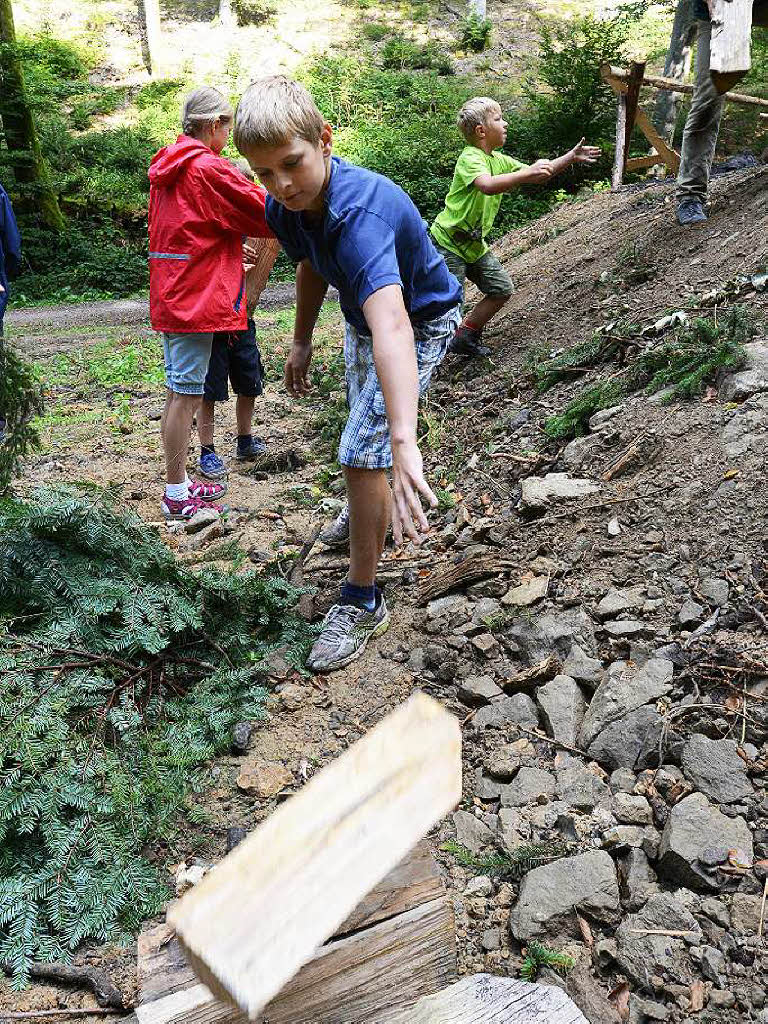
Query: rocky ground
[[594, 612]]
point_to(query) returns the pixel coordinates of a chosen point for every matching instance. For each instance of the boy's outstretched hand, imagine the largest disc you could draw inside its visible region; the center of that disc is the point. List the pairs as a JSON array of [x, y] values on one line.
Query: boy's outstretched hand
[[583, 154], [297, 370], [408, 482]]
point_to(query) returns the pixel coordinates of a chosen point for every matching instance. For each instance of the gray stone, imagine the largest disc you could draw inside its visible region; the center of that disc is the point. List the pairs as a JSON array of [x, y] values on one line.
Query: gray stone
[[479, 886], [617, 601], [641, 1011], [538, 493], [715, 590], [750, 380], [695, 825], [630, 809], [499, 713], [580, 788], [486, 788], [629, 742], [472, 833], [623, 781], [479, 690], [745, 912], [602, 416], [241, 736], [691, 613], [491, 939], [590, 996], [563, 707], [721, 999], [637, 879], [625, 688], [452, 606], [716, 769], [581, 667], [527, 592], [485, 610], [200, 520], [528, 785], [640, 954], [626, 627], [717, 911], [515, 830], [550, 894], [503, 764], [613, 528], [713, 965]]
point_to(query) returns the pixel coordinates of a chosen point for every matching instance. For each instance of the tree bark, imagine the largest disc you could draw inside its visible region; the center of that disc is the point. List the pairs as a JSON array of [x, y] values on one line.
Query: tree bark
[[677, 65], [151, 36], [29, 166]]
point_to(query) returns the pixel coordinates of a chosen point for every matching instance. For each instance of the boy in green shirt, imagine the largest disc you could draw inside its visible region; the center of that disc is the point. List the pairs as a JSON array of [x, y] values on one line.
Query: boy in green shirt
[[482, 175]]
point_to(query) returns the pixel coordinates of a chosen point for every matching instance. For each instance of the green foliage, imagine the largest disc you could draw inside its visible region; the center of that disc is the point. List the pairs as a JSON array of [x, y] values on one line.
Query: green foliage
[[123, 674], [331, 416], [694, 355], [21, 399], [537, 955], [254, 12], [510, 866], [127, 362], [476, 32], [376, 31], [399, 53]]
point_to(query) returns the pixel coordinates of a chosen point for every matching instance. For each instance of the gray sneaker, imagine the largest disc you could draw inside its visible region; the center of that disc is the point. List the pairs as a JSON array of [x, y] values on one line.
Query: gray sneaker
[[337, 534], [346, 632]]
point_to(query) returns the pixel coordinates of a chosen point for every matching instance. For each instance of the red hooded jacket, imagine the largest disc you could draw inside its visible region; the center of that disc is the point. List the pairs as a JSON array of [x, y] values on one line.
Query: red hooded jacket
[[200, 208]]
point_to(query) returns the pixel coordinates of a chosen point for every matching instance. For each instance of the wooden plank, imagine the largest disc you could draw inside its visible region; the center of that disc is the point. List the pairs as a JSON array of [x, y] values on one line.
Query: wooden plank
[[162, 965], [472, 569], [636, 72], [639, 163], [617, 175], [670, 156], [261, 913], [617, 77], [486, 999], [368, 977], [729, 51]]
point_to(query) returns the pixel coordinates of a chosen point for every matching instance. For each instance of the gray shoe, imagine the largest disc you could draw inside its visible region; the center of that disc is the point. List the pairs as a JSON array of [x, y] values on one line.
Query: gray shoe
[[347, 630], [691, 211], [337, 534]]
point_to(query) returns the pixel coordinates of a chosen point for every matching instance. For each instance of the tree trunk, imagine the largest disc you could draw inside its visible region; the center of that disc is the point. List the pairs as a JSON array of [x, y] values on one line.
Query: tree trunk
[[677, 65], [151, 36], [29, 166], [226, 15]]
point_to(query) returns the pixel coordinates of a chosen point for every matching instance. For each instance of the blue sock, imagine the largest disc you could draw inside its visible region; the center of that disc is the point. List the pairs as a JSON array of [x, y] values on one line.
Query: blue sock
[[363, 597], [207, 449]]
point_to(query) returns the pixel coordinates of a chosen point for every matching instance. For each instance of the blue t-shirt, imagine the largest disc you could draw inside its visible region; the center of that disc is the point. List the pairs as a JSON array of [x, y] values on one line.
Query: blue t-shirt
[[370, 235]]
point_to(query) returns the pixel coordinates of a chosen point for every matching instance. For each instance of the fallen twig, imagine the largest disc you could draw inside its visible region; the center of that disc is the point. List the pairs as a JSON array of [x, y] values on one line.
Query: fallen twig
[[31, 1014], [97, 980], [602, 504], [555, 743], [675, 932], [762, 911]]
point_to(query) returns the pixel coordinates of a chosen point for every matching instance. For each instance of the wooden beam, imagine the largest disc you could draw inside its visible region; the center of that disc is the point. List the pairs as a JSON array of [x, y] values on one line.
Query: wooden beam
[[671, 157], [483, 998], [636, 72], [640, 163], [729, 52], [368, 977], [620, 155], [261, 913], [614, 76]]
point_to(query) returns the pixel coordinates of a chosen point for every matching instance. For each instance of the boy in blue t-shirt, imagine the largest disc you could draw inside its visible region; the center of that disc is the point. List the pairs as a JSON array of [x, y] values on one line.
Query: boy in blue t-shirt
[[345, 226]]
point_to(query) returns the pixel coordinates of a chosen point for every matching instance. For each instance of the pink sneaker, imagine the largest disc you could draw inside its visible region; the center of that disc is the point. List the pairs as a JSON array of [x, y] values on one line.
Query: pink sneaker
[[206, 491], [174, 508]]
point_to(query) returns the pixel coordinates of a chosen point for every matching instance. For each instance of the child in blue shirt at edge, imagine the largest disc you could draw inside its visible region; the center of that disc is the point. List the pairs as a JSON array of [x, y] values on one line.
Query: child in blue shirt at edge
[[346, 226], [482, 174]]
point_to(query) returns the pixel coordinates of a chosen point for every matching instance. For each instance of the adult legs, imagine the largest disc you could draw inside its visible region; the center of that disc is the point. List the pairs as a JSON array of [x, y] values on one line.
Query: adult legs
[[701, 126]]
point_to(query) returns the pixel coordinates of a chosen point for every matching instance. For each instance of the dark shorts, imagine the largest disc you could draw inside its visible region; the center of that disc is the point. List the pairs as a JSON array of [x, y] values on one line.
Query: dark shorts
[[487, 273], [234, 355]]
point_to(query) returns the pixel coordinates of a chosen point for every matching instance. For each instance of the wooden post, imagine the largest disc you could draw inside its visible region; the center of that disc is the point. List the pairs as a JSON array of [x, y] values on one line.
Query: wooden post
[[620, 157], [729, 54], [262, 913], [636, 72]]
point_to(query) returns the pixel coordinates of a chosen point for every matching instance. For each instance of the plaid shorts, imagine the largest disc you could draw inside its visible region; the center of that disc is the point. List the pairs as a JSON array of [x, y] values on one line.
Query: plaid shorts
[[365, 442]]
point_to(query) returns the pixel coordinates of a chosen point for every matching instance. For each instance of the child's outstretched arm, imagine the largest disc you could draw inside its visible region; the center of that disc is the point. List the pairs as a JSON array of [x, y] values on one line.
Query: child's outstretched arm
[[538, 173], [395, 358], [580, 154], [310, 292]]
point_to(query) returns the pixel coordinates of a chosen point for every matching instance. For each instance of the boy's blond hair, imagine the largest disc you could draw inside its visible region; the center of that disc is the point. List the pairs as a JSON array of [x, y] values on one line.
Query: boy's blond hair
[[273, 111], [475, 113], [201, 108]]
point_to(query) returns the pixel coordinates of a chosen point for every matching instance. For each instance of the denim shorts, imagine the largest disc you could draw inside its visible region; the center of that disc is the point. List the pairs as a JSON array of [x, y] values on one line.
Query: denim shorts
[[234, 355], [186, 362], [365, 442]]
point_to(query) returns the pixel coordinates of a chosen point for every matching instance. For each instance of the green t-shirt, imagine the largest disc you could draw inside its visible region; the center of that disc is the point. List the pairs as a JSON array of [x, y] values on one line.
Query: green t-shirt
[[469, 214]]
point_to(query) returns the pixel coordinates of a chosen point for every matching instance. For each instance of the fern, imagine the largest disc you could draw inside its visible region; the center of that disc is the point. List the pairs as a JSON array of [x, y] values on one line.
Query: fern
[[123, 674], [509, 866], [21, 399], [538, 955]]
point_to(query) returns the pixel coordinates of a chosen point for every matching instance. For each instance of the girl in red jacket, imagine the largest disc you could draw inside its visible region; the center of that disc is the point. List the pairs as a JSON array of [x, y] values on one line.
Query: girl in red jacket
[[200, 208]]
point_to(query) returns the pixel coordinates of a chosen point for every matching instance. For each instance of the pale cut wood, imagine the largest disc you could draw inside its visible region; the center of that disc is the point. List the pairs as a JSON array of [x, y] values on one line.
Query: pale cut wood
[[729, 50], [477, 567], [621, 140], [640, 163], [162, 965], [609, 71], [486, 999], [365, 978], [261, 913], [670, 157]]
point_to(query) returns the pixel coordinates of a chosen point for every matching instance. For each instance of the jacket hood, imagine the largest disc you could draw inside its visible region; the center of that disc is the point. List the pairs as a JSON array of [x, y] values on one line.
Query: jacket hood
[[168, 163]]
